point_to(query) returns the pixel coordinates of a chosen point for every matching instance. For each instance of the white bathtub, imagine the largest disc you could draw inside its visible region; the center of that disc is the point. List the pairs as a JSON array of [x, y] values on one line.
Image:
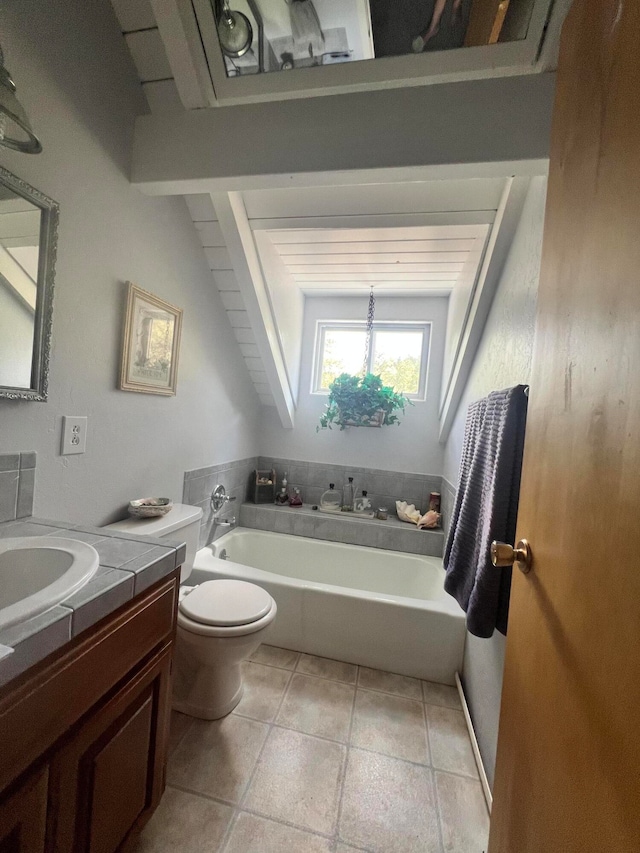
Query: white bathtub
[[377, 608]]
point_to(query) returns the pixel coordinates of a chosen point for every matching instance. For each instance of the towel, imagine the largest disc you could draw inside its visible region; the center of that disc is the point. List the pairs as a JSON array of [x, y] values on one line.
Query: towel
[[486, 508]]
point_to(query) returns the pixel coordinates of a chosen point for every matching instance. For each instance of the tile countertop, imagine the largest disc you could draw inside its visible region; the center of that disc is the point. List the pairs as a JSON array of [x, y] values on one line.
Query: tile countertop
[[128, 565]]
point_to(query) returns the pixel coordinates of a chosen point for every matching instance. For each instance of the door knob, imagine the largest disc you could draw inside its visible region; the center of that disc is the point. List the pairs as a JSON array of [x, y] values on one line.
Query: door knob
[[504, 555]]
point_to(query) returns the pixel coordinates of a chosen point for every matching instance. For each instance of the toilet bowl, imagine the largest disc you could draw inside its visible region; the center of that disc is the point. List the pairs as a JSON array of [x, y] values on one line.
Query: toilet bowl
[[220, 623]]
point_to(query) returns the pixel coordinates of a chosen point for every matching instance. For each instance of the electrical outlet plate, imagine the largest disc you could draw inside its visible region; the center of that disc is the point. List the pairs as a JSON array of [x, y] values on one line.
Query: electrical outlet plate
[[74, 435]]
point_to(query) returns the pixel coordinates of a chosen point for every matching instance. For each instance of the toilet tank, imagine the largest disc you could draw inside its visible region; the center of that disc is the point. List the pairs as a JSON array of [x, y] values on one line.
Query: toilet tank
[[182, 524]]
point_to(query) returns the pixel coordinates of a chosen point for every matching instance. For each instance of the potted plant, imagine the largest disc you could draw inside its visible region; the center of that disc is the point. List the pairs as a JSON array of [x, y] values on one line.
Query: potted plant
[[362, 401]]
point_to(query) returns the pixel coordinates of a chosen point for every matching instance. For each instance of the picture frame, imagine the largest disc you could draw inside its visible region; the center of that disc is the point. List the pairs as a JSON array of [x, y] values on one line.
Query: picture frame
[[151, 344]]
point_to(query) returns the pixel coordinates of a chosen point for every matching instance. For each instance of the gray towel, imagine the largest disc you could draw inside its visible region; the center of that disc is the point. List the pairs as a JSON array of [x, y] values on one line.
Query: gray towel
[[486, 508]]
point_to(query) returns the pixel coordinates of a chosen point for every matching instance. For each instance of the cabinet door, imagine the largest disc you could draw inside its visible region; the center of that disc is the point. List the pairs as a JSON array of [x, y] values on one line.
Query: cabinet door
[[23, 816], [109, 778]]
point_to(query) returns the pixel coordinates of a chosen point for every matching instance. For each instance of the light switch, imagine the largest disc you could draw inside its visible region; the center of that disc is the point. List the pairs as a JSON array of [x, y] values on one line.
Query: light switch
[[74, 434]]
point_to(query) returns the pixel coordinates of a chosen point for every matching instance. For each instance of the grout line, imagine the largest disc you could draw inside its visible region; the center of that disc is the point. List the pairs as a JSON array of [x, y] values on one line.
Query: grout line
[[436, 807], [346, 758], [176, 746]]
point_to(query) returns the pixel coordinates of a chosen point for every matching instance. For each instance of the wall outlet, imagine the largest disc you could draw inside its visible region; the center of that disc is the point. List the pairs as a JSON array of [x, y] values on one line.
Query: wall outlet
[[74, 435]]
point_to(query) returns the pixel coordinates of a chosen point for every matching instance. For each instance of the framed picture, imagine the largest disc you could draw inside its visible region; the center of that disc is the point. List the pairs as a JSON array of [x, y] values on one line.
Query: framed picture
[[151, 344]]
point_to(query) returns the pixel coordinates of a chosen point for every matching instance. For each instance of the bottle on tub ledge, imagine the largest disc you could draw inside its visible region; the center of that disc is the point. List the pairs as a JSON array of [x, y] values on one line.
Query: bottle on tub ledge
[[331, 501], [282, 497], [362, 506], [296, 498], [348, 496]]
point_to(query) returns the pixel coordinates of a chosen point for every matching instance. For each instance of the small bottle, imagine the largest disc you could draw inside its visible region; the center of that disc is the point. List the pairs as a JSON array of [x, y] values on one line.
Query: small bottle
[[296, 498], [348, 496], [434, 501], [383, 513], [362, 504], [331, 501], [282, 497], [285, 483]]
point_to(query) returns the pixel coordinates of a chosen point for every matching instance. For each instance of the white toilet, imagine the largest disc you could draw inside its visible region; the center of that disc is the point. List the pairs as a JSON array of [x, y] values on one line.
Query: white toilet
[[220, 623]]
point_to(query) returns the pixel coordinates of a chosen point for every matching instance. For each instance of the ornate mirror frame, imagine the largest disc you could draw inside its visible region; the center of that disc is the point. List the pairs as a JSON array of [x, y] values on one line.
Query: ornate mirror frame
[[38, 389]]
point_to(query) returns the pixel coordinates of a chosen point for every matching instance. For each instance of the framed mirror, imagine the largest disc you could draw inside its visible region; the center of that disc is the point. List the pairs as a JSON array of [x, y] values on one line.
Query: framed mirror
[[28, 243]]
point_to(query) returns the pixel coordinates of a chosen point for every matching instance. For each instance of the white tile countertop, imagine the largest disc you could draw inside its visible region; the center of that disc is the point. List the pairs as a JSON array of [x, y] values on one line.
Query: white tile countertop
[[128, 565]]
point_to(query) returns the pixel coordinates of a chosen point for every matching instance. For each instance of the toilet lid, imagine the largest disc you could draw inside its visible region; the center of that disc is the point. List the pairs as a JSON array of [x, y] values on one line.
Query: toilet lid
[[226, 603]]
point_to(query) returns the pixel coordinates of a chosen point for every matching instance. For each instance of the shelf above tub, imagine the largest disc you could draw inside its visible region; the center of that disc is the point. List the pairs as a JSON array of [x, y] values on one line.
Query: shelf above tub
[[391, 535]]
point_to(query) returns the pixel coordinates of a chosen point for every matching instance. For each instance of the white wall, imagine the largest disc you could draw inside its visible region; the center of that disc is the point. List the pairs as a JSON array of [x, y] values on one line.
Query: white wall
[[412, 447], [503, 359], [75, 79]]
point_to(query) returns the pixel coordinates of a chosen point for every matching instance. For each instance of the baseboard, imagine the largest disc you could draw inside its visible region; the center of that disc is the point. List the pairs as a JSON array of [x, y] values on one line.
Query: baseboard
[[474, 743]]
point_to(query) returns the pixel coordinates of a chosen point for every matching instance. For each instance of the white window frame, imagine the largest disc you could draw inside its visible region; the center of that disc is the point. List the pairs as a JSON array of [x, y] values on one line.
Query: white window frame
[[383, 326]]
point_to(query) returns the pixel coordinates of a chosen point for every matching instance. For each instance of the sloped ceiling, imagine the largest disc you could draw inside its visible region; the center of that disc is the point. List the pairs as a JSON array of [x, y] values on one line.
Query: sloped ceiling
[[395, 261]]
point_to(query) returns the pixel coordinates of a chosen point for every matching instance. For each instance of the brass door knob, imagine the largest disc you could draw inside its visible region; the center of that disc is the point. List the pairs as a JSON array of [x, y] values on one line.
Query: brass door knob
[[505, 555]]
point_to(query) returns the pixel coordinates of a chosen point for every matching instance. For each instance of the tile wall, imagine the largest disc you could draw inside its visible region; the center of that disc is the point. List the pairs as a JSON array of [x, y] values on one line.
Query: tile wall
[[391, 535], [384, 487], [312, 478], [448, 501], [17, 484], [200, 482]]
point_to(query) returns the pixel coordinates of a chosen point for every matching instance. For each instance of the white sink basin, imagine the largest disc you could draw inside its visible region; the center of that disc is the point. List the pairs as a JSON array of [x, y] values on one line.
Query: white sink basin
[[38, 572]]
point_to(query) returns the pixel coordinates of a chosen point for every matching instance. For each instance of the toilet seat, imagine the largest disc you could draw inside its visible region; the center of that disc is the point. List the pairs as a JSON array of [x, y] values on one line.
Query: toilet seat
[[226, 608]]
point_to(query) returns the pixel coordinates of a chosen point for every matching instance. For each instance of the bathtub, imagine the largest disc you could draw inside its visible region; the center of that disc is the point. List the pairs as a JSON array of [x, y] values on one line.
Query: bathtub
[[381, 609]]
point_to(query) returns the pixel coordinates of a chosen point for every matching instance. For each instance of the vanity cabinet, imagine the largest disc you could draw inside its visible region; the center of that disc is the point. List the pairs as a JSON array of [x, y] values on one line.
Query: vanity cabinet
[[84, 735]]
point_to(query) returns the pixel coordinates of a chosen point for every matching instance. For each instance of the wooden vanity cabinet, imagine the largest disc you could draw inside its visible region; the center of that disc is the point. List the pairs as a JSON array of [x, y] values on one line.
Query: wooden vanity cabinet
[[83, 736]]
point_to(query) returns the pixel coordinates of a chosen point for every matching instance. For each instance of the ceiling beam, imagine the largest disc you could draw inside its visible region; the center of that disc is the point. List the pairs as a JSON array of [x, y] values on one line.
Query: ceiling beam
[[232, 217], [473, 129], [480, 299]]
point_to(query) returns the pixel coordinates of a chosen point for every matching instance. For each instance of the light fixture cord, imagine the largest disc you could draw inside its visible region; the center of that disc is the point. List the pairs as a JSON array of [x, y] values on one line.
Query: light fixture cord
[[370, 317]]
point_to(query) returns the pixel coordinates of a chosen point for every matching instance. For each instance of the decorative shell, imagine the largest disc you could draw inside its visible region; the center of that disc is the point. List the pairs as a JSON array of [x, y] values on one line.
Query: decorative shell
[[150, 507], [408, 512]]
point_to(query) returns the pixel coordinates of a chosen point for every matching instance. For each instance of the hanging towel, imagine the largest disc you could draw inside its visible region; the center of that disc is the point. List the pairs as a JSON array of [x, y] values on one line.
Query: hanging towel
[[486, 508]]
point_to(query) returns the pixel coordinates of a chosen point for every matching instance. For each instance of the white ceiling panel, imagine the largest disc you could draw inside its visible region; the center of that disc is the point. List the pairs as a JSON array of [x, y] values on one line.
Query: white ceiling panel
[[218, 258], [149, 55], [210, 234], [201, 207], [412, 259], [134, 14], [416, 197]]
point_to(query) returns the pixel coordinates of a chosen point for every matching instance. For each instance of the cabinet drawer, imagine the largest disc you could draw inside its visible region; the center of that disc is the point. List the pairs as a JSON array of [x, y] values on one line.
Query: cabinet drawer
[[54, 696]]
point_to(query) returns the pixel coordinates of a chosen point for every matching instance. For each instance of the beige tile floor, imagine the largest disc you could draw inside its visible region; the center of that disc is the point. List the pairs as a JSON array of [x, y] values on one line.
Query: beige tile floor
[[322, 756]]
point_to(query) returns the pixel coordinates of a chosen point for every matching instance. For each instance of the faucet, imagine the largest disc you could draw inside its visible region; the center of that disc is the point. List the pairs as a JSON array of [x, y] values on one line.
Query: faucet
[[219, 499]]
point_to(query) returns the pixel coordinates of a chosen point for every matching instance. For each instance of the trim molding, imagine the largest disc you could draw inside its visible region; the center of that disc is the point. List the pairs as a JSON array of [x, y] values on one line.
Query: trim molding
[[474, 743]]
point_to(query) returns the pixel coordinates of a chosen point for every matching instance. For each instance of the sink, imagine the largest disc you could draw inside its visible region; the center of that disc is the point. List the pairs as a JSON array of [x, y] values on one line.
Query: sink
[[38, 572]]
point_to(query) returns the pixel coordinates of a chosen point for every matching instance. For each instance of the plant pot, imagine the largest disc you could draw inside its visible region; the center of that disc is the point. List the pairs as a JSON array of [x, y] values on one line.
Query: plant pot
[[376, 420]]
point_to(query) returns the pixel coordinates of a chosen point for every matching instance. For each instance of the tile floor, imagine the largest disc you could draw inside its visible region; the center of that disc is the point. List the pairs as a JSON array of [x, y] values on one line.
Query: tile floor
[[323, 757]]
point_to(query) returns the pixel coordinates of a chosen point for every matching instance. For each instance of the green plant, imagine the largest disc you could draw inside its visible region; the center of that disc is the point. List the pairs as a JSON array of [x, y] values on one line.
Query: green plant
[[362, 401]]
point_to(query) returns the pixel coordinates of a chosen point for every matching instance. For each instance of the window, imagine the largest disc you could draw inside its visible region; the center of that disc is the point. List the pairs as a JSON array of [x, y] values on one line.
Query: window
[[398, 352]]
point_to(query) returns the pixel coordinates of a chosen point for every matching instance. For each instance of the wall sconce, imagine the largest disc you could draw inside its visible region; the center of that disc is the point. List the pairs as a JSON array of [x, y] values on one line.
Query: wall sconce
[[15, 128]]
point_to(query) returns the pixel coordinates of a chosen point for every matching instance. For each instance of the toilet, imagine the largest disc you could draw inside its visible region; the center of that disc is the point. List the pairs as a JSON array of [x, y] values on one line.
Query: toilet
[[220, 623]]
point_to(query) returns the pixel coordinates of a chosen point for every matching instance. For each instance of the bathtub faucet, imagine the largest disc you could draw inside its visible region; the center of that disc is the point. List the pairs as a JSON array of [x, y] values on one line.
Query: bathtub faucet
[[220, 498]]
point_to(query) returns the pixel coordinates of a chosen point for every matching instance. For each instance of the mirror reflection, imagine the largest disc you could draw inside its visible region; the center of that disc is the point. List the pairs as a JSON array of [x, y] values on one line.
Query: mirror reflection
[[279, 35], [20, 223]]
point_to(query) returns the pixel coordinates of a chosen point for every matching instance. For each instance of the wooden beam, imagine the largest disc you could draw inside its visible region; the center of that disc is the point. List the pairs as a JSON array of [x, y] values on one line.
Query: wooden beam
[[234, 223]]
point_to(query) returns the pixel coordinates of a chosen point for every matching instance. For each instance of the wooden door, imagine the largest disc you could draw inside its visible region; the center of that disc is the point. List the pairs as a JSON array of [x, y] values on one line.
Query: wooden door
[[568, 764], [23, 816], [109, 778]]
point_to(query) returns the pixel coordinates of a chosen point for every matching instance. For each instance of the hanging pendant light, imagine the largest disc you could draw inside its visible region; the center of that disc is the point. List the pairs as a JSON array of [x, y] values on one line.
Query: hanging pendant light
[[371, 312], [15, 127], [234, 31]]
